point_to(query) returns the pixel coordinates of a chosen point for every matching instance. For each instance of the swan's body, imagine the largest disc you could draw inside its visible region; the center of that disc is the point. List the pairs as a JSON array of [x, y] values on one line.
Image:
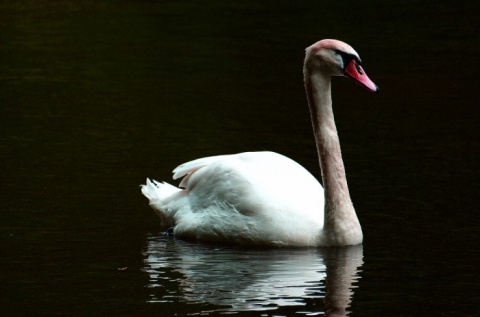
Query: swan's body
[[264, 198]]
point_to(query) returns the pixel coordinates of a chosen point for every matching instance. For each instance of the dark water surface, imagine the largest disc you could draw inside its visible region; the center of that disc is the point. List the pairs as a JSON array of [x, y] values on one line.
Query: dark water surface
[[97, 96]]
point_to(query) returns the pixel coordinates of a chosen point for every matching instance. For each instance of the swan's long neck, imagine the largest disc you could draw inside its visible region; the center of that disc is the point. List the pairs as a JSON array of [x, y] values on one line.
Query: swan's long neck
[[341, 225]]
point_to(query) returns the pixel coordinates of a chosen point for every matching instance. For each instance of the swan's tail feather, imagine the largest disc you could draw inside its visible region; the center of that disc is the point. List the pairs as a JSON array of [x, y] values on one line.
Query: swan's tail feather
[[161, 196], [154, 190]]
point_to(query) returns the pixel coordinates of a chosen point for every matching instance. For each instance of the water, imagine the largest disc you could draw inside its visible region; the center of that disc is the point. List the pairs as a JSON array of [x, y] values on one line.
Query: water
[[232, 280], [97, 96]]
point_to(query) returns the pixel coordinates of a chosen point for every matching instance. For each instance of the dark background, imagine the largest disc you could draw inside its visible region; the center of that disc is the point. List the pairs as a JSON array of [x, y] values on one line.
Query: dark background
[[98, 95]]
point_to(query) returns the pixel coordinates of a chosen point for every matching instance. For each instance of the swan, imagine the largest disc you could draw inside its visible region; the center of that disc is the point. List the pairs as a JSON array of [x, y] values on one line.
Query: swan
[[265, 198]]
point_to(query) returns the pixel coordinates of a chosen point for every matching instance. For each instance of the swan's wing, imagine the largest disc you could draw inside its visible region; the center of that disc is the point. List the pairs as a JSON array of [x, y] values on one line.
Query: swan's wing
[[186, 169], [250, 178]]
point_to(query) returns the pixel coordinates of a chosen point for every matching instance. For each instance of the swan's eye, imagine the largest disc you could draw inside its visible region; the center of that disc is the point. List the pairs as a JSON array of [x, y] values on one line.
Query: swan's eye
[[359, 69]]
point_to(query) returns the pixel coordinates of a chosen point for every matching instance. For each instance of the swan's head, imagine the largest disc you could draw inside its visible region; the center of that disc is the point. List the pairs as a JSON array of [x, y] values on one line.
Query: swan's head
[[336, 58]]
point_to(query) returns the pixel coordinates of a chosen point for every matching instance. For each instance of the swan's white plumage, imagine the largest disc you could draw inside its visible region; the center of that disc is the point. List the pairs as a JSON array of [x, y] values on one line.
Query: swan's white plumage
[[264, 198], [249, 198]]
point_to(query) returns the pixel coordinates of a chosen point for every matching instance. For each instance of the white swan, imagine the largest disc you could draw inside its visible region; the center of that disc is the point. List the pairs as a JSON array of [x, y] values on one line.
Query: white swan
[[264, 198]]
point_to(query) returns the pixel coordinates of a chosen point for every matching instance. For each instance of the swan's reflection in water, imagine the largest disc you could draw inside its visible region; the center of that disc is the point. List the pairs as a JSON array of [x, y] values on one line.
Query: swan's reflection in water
[[316, 281]]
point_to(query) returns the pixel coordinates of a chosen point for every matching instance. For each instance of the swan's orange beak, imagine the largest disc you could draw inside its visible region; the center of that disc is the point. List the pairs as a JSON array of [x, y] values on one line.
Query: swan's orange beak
[[356, 72]]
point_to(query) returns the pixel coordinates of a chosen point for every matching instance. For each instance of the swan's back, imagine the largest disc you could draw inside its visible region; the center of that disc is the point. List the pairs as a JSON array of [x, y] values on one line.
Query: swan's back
[[247, 198]]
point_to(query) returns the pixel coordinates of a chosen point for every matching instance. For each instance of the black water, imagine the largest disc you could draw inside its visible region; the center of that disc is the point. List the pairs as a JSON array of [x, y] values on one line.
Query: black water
[[98, 95]]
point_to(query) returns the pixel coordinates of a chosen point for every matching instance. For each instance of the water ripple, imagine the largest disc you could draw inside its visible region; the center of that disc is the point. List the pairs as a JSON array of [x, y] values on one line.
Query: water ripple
[[238, 279]]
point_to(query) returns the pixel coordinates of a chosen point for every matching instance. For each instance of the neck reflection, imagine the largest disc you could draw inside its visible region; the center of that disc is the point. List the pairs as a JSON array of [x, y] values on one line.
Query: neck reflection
[[312, 281]]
